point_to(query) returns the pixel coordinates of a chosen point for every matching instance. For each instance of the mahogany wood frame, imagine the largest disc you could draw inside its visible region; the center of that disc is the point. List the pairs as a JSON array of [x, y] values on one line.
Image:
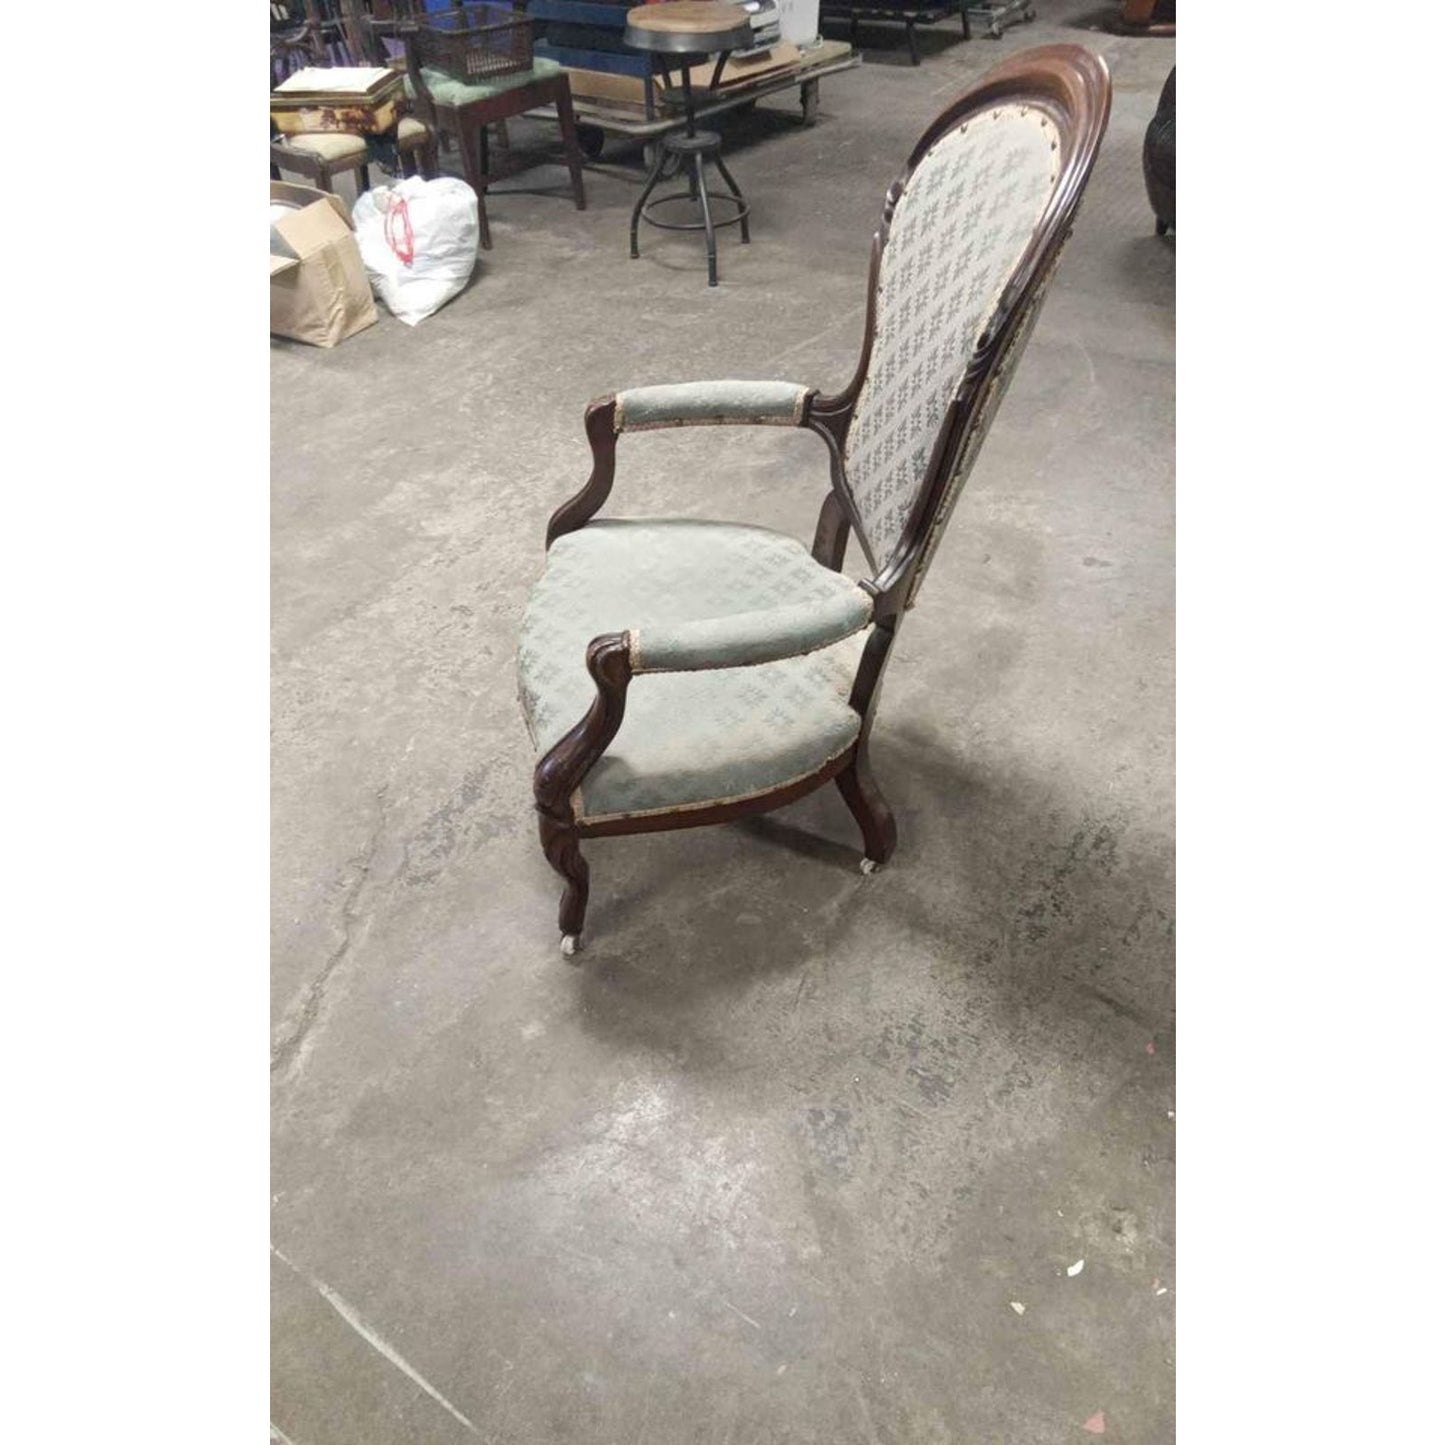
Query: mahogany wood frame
[[1072, 85]]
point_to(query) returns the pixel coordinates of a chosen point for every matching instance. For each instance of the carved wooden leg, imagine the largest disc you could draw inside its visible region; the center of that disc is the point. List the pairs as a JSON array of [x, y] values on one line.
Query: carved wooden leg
[[559, 843], [869, 809]]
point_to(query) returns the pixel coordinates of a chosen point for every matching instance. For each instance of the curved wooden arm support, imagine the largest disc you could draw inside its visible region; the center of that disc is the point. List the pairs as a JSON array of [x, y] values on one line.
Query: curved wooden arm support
[[602, 438], [827, 418], [560, 772]]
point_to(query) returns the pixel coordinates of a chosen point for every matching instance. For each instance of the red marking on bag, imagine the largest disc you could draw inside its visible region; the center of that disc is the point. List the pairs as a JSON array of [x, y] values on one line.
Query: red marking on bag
[[405, 248]]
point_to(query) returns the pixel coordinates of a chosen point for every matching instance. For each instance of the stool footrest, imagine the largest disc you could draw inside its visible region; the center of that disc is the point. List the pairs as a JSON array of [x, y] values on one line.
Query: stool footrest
[[741, 210]]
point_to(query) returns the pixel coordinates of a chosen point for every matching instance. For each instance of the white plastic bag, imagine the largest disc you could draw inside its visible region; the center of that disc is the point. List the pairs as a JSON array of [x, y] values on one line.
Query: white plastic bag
[[418, 242]]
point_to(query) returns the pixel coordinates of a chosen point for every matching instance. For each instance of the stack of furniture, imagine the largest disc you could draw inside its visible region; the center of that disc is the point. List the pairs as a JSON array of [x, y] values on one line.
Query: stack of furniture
[[323, 154], [475, 66]]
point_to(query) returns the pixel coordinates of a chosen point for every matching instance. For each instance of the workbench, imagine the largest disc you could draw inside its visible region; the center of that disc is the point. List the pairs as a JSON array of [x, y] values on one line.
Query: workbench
[[598, 118]]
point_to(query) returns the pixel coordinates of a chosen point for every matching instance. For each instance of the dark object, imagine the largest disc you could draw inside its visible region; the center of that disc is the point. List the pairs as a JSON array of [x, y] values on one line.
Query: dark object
[[997, 18], [1159, 160], [649, 28], [475, 42], [587, 35], [909, 13], [897, 511], [469, 118], [1145, 17]]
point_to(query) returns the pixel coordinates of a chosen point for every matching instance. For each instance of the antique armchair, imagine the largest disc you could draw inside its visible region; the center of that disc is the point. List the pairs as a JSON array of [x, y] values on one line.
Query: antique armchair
[[674, 673]]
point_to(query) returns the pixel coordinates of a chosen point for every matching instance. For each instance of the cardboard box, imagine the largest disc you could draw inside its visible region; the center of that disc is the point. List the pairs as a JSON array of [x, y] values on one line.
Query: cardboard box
[[319, 290]]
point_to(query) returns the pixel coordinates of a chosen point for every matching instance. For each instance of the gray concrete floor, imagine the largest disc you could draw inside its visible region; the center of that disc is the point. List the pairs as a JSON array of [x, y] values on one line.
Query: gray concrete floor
[[773, 1165]]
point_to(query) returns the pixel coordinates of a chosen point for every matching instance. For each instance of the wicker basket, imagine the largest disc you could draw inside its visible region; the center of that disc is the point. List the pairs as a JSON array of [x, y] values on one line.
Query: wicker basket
[[476, 42]]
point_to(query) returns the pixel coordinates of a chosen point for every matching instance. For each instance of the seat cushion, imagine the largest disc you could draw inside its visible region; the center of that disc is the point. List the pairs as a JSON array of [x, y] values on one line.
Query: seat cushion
[[447, 90], [329, 145], [412, 132], [687, 738]]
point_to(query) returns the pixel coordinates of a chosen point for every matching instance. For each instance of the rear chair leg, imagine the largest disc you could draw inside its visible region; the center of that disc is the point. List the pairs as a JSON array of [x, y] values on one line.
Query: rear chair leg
[[870, 811]]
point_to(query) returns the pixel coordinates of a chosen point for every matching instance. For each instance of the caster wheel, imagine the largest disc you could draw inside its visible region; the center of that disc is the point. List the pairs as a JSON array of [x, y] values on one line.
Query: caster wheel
[[868, 867], [571, 945], [591, 139]]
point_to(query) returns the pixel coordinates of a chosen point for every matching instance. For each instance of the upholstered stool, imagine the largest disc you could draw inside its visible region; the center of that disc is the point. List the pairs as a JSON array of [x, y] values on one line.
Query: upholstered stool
[[322, 156]]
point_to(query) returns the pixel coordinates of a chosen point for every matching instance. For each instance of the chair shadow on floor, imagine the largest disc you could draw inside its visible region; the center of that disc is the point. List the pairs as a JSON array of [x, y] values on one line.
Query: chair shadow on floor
[[1049, 905], [1146, 263]]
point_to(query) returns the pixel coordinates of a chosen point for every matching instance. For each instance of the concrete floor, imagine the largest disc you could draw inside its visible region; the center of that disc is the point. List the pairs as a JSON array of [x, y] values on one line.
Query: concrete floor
[[773, 1165]]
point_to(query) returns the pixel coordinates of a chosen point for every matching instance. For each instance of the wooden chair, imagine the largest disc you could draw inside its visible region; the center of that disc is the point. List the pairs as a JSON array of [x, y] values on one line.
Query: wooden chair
[[323, 157], [676, 673], [465, 110]]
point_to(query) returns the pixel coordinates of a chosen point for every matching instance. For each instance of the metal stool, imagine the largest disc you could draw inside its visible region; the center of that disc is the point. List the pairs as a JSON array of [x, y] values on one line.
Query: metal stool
[[687, 32]]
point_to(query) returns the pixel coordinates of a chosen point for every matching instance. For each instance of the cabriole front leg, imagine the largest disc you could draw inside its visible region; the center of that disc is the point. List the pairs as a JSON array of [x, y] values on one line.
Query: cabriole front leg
[[564, 853], [560, 773]]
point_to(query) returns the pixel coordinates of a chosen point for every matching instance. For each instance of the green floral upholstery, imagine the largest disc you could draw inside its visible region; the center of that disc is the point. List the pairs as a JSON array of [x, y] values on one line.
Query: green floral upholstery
[[694, 737], [745, 639], [447, 90], [959, 231], [710, 403]]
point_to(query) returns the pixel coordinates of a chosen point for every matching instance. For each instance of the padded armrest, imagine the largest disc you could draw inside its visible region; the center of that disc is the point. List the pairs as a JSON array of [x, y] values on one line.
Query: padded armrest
[[711, 403], [748, 638]]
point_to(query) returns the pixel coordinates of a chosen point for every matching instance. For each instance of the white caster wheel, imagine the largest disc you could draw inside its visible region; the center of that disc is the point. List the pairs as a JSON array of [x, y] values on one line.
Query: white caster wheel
[[867, 866], [571, 945]]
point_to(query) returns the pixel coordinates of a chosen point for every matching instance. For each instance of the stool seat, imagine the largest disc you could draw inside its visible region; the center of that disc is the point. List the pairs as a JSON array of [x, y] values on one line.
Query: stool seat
[[688, 27], [329, 145]]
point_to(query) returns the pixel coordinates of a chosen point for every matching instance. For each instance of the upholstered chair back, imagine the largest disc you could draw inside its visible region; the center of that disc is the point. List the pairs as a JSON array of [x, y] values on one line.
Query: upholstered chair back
[[959, 230]]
